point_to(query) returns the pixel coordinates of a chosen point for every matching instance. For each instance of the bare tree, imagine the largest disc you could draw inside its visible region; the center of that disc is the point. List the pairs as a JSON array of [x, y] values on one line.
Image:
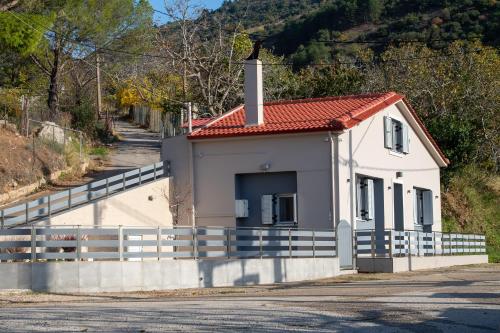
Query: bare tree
[[204, 53]]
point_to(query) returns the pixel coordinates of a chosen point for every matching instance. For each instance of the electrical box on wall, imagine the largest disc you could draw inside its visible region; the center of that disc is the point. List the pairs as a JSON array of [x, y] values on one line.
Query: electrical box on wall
[[241, 208]]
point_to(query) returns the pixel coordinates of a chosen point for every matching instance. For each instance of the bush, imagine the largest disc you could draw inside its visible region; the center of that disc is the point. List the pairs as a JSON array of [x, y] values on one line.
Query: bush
[[84, 118]]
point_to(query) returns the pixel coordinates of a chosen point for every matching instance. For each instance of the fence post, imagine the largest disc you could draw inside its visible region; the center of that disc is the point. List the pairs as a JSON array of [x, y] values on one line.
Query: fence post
[[80, 145], [314, 244], [2, 219], [372, 243], [69, 198], [140, 176], [434, 242], [195, 242], [120, 242], [33, 243], [418, 243], [290, 242], [53, 134], [154, 171], [123, 177], [390, 243], [409, 250], [78, 243], [158, 244], [228, 243], [49, 209], [26, 211], [260, 242]]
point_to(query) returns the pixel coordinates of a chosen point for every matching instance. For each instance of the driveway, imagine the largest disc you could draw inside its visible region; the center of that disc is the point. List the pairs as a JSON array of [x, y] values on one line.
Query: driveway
[[463, 299]]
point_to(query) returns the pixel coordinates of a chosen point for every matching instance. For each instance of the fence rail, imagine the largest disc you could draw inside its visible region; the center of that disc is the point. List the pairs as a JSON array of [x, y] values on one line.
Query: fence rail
[[392, 243], [141, 243], [45, 206]]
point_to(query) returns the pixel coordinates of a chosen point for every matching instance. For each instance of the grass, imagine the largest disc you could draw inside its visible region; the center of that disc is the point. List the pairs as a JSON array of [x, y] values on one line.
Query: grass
[[471, 204], [101, 152]]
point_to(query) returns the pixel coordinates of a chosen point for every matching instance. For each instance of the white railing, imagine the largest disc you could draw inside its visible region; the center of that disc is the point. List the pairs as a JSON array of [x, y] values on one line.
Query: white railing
[[391, 243], [141, 243], [42, 207]]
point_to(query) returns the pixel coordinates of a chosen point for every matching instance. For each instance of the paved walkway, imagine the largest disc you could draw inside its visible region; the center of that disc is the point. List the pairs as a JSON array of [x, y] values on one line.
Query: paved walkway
[[451, 300], [137, 147]]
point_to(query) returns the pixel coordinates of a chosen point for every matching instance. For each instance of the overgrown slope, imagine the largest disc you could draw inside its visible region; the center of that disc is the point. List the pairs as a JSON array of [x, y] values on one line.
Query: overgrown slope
[[471, 204], [20, 165]]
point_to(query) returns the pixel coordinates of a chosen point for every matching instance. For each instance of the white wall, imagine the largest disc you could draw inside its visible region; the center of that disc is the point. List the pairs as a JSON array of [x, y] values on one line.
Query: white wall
[[216, 162], [130, 208], [371, 158]]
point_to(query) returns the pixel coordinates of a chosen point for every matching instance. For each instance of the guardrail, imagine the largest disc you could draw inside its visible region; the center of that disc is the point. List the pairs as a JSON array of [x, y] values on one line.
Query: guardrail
[[141, 243], [64, 200], [392, 243]]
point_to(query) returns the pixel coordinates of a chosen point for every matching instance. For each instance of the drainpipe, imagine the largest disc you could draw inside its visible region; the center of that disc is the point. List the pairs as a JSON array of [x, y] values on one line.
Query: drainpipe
[[190, 117], [333, 182], [191, 182], [351, 195]]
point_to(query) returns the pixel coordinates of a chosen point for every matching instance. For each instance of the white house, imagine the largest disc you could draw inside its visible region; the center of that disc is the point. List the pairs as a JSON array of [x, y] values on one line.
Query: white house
[[309, 163]]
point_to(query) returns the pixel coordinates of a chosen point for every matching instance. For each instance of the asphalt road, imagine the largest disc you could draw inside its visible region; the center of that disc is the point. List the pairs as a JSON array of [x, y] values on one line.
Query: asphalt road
[[452, 300]]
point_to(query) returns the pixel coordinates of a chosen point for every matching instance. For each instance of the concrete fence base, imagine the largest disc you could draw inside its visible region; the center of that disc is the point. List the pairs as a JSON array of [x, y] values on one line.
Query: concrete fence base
[[108, 276], [405, 264]]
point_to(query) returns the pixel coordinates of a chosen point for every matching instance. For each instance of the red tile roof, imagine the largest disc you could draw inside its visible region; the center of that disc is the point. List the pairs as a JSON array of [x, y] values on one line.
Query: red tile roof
[[197, 122], [305, 115]]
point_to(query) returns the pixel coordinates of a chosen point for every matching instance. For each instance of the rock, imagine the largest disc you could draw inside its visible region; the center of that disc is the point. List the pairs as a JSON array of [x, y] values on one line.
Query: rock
[[8, 126], [51, 131]]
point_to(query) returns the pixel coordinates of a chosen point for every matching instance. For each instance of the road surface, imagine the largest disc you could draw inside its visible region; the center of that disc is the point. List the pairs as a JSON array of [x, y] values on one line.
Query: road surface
[[451, 300]]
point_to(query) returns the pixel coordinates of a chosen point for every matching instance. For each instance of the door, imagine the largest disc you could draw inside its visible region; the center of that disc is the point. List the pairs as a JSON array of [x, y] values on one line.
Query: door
[[398, 207], [344, 244]]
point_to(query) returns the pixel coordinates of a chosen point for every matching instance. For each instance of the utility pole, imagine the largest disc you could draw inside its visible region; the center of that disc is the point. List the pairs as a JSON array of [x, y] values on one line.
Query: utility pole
[[98, 77]]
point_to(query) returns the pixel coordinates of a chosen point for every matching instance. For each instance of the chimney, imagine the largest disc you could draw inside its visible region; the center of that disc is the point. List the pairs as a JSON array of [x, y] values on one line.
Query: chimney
[[254, 99]]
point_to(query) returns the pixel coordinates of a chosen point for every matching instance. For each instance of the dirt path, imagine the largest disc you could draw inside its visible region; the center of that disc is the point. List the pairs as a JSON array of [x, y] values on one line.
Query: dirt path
[[137, 147], [457, 299]]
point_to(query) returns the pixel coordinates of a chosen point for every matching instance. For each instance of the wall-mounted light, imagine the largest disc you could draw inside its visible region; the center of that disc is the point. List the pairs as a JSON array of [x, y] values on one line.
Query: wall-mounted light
[[399, 174], [389, 187], [266, 166]]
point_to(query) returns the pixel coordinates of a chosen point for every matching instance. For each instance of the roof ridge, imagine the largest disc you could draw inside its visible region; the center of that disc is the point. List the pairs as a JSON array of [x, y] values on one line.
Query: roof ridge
[[328, 98]]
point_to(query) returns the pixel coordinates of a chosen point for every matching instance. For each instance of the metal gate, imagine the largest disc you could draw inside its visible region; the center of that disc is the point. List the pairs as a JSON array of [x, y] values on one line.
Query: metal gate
[[344, 244]]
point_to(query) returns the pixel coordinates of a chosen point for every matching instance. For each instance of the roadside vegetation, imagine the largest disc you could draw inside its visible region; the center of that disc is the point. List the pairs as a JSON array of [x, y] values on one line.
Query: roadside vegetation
[[442, 55]]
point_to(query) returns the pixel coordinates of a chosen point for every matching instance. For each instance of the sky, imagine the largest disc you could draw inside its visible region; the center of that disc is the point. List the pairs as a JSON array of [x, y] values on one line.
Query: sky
[[159, 5]]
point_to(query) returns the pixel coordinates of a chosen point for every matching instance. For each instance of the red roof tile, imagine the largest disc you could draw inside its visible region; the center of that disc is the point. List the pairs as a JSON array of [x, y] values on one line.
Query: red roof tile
[[305, 115], [197, 122]]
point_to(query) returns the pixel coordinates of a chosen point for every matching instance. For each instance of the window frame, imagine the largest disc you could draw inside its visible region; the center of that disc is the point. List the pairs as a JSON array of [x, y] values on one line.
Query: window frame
[[293, 196]]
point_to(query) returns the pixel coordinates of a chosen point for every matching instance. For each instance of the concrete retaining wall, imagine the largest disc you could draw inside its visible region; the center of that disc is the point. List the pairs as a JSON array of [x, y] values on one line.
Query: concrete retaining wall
[[403, 264], [146, 205], [108, 276]]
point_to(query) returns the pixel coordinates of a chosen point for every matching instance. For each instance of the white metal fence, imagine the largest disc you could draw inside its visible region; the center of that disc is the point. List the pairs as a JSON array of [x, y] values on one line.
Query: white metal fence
[[140, 243], [391, 243], [45, 206]]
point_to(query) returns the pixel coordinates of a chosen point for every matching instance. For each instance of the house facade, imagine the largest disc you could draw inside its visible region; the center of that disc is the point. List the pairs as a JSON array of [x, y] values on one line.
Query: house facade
[[365, 159]]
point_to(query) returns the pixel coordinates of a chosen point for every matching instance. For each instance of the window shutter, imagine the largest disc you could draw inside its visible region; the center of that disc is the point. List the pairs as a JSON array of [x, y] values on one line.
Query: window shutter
[[428, 216], [266, 207], [406, 139], [370, 202], [359, 204], [388, 132], [415, 206]]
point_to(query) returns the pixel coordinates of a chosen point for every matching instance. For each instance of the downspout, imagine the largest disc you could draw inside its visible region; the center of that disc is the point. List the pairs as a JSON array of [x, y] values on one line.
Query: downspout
[[351, 181], [333, 182], [191, 182], [351, 201]]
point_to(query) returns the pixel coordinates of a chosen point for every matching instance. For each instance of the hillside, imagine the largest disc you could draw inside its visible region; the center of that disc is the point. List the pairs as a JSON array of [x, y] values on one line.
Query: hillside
[[299, 28]]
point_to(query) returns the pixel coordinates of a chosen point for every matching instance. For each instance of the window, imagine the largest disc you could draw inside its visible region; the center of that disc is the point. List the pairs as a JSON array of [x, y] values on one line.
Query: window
[[286, 208], [365, 199], [279, 208], [422, 207], [396, 135]]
